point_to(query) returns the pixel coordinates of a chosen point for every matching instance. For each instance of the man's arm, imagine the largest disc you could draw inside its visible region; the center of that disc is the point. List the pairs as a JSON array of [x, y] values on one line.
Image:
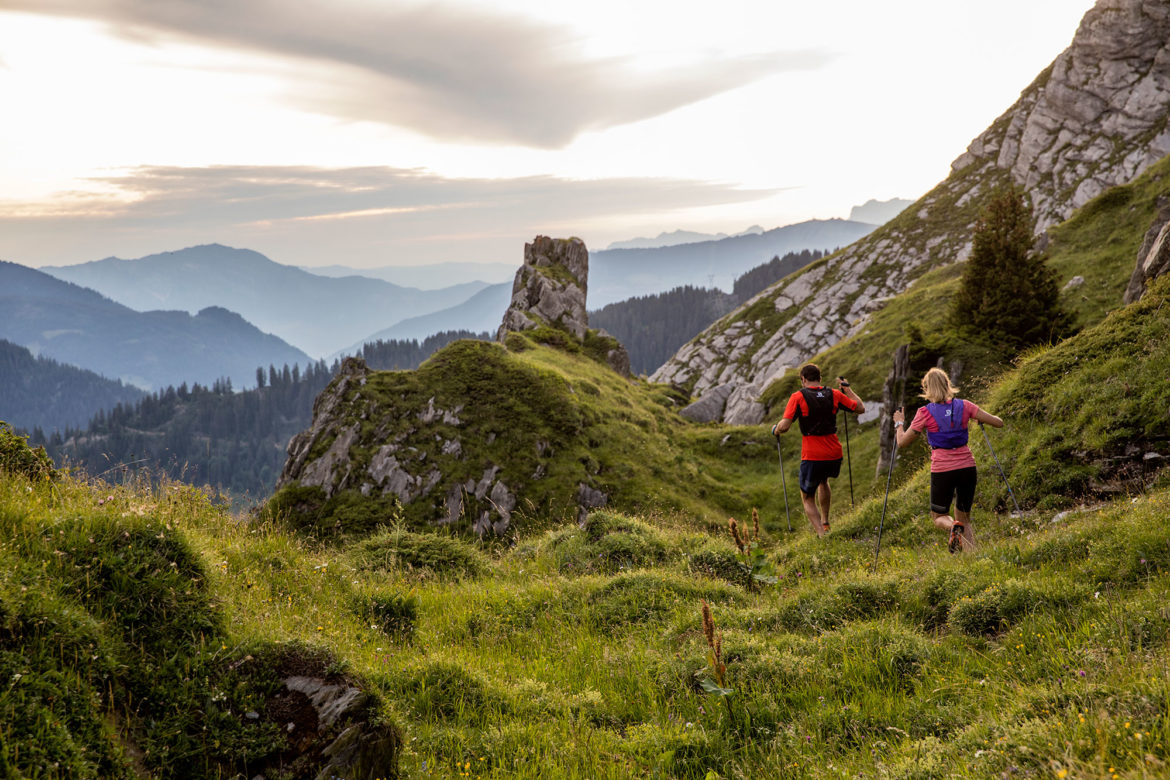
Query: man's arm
[[843, 384], [782, 426]]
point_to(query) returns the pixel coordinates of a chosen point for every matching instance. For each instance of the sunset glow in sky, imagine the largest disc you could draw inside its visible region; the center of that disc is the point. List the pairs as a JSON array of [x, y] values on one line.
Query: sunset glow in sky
[[374, 133]]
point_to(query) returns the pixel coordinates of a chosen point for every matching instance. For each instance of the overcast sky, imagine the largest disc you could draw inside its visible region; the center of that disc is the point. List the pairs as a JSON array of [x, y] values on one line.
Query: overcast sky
[[367, 132]]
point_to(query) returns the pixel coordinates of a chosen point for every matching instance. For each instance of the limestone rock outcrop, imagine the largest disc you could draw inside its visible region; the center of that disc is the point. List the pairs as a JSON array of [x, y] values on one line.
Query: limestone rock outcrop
[[550, 288], [1153, 257], [472, 436], [1097, 117]]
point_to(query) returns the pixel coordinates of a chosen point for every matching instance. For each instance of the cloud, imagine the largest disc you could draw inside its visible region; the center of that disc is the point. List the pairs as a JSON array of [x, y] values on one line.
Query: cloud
[[450, 73], [313, 216]]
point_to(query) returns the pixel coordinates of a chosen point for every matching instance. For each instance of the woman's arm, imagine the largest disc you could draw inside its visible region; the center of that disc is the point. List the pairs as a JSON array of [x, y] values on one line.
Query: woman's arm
[[902, 437], [989, 419]]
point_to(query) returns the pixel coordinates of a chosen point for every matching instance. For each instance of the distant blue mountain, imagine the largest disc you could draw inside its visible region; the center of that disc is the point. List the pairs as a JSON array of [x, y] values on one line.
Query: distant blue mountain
[[37, 392], [618, 274], [481, 312], [75, 325], [318, 314], [437, 276]]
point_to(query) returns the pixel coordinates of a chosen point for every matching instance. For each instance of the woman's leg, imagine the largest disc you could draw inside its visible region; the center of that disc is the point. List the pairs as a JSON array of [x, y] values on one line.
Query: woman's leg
[[942, 521], [968, 534], [965, 482]]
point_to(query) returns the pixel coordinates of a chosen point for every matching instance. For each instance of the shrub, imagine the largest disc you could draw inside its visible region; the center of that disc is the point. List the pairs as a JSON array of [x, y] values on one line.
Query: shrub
[[606, 543], [720, 564], [17, 457], [645, 597], [997, 607], [868, 598], [449, 692], [394, 613], [423, 555], [308, 510]]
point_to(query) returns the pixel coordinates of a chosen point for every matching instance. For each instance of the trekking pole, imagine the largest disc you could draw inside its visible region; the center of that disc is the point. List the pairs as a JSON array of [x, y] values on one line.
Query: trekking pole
[[784, 482], [1005, 479], [848, 457], [882, 524]]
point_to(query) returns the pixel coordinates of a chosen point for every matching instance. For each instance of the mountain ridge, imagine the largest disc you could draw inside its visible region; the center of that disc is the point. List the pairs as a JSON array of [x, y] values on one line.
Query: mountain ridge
[[1044, 141], [75, 325], [318, 314], [618, 274]]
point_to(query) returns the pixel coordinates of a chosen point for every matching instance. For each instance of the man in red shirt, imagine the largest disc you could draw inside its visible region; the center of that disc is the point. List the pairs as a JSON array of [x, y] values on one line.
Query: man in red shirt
[[815, 406]]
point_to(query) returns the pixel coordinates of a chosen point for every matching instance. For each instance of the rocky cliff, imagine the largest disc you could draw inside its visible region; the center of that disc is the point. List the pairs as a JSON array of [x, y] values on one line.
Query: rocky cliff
[[550, 288], [1095, 118], [477, 433]]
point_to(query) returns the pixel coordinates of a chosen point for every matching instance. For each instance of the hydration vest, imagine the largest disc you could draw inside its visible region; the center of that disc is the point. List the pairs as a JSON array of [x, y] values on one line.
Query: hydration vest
[[951, 433], [821, 419]]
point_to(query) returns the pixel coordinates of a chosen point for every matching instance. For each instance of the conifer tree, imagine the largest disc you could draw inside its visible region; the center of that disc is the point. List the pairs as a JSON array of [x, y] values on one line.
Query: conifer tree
[[1008, 296]]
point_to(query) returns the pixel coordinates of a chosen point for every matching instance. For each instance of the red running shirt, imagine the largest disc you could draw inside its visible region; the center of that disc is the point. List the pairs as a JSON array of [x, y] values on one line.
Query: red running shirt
[[818, 447]]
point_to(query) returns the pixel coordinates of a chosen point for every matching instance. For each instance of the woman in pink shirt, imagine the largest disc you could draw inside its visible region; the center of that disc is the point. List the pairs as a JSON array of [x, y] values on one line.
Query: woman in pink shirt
[[943, 420]]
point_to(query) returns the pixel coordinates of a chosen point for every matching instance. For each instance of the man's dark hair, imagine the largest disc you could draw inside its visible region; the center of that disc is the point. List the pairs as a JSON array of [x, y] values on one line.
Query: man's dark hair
[[811, 373]]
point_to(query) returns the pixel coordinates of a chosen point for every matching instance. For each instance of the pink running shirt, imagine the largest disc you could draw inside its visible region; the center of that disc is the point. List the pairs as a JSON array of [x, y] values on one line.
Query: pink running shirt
[[946, 460]]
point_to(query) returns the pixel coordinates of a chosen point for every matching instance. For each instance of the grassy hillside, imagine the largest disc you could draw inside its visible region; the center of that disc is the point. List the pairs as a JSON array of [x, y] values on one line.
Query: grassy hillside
[[129, 615], [1098, 243], [552, 418]]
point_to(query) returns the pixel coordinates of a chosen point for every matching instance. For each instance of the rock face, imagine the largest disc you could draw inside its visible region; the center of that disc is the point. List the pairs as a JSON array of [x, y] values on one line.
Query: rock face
[[1153, 258], [466, 441], [474, 434], [1097, 117], [550, 288]]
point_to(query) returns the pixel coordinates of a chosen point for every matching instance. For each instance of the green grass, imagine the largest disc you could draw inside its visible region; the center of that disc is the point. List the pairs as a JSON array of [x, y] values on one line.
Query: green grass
[[552, 420], [139, 625], [579, 651]]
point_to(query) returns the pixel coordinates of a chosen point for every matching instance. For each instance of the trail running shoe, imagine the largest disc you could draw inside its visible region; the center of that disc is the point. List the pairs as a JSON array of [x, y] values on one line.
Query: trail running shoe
[[956, 541]]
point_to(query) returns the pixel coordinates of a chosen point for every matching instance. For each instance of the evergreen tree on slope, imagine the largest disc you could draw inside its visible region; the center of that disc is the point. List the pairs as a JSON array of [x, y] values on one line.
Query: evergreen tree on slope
[[1008, 297]]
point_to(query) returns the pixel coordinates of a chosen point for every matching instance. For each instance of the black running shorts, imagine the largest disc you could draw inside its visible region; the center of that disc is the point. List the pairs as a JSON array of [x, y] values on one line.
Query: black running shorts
[[814, 472], [958, 485]]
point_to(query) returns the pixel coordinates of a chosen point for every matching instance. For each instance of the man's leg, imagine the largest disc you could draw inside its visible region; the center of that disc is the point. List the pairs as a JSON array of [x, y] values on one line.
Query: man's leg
[[823, 497], [814, 514]]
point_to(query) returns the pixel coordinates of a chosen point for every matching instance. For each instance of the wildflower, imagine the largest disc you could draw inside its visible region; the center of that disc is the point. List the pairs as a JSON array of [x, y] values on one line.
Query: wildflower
[[740, 543], [1080, 672]]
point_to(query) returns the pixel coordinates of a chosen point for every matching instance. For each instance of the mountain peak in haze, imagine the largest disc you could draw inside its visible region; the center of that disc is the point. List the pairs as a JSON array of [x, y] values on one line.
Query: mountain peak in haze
[[878, 212], [316, 313], [677, 237]]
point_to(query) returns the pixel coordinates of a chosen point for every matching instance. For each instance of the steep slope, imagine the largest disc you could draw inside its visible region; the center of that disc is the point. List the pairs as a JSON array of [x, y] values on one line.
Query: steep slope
[[36, 392], [317, 314], [148, 349], [1096, 117], [617, 274]]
